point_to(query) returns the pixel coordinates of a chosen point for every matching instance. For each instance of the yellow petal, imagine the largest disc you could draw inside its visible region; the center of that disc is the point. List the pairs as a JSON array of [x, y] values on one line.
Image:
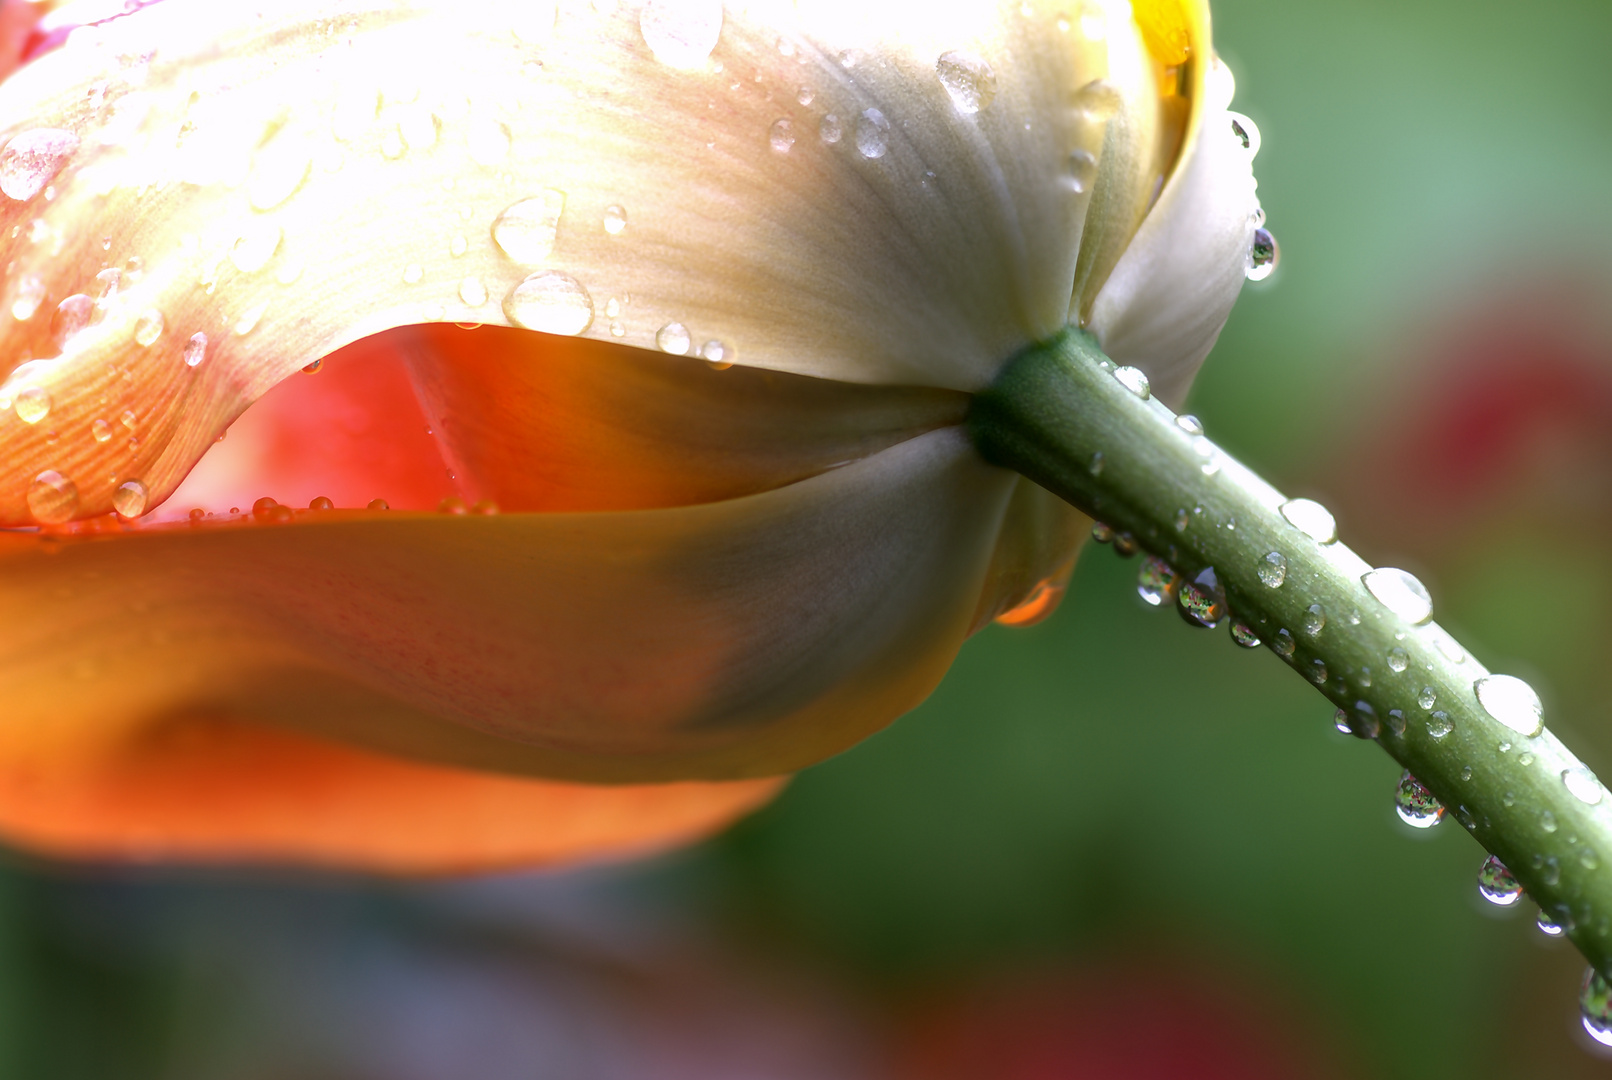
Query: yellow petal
[[740, 638], [289, 184]]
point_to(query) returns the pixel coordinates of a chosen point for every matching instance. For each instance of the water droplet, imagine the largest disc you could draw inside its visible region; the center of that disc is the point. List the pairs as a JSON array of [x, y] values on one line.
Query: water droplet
[[1588, 859], [30, 294], [1263, 255], [129, 500], [1211, 460], [378, 504], [1245, 132], [195, 349], [458, 245], [1365, 677], [255, 246], [33, 404], [1396, 722], [1244, 635], [805, 95], [1398, 660], [32, 160], [413, 273], [320, 502], [1102, 533], [52, 498], [1340, 720], [1284, 644], [1134, 380], [250, 318], [552, 302], [1547, 821], [473, 292], [1496, 884], [1272, 569], [71, 317], [526, 230], [1583, 785], [1550, 871], [1095, 467], [782, 136], [1189, 424], [1202, 601], [681, 33], [1466, 772], [1512, 702], [101, 431], [1098, 100], [1312, 519], [615, 220], [1157, 581], [1438, 725], [1400, 593], [1125, 545], [1363, 723], [829, 129], [717, 354], [1547, 926], [674, 338], [1182, 520], [1595, 1007], [968, 80], [148, 328], [1315, 618], [1318, 671], [1081, 170], [1415, 804], [1427, 698], [872, 133]]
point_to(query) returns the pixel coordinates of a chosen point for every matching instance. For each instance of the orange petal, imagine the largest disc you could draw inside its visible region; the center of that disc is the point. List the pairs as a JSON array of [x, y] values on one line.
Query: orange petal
[[207, 789], [741, 638]]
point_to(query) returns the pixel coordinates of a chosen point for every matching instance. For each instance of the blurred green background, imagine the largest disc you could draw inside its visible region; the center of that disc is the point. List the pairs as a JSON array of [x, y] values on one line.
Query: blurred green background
[[1107, 808]]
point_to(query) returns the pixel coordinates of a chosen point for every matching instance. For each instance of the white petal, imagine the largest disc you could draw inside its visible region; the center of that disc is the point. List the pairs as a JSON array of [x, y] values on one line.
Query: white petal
[[1168, 298]]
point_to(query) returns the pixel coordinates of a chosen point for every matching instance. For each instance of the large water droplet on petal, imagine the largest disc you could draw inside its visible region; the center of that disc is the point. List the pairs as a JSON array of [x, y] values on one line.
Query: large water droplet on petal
[[130, 498], [1263, 255], [526, 230], [1496, 884], [782, 136], [1245, 132], [968, 80], [52, 498], [1098, 100], [1416, 805], [71, 317], [195, 349], [681, 33], [872, 133], [33, 404], [1512, 702], [674, 338], [830, 130], [32, 160], [552, 302], [1400, 593]]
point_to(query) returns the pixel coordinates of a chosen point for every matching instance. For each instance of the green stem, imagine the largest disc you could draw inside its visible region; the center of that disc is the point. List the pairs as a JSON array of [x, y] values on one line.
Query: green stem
[[1060, 415]]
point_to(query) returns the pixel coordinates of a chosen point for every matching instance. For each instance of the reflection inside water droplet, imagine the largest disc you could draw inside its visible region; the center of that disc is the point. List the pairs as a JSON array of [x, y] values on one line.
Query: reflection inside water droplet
[[1272, 569], [1496, 884], [1415, 804], [1156, 581], [52, 498], [674, 338], [129, 500], [552, 302]]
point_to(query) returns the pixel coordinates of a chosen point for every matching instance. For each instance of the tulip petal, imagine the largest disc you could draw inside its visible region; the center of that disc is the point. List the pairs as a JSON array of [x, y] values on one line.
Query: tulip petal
[[1167, 299], [214, 197], [208, 789], [537, 422], [741, 638]]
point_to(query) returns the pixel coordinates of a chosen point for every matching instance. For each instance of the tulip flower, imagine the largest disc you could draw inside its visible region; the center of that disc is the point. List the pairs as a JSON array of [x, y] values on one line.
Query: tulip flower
[[726, 280]]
